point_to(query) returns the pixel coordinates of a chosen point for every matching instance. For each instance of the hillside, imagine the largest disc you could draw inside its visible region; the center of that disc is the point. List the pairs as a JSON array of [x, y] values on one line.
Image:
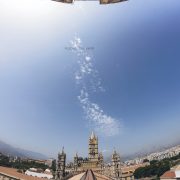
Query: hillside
[[13, 151]]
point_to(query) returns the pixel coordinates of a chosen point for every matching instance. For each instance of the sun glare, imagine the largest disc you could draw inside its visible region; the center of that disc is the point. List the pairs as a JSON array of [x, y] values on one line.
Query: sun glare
[[27, 8]]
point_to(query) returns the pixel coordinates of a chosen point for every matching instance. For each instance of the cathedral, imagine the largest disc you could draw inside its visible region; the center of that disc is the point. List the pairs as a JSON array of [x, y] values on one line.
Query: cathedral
[[92, 166], [94, 160]]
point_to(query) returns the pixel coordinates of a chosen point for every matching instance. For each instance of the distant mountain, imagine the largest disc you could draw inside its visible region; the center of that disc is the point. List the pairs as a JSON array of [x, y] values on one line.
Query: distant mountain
[[10, 150]]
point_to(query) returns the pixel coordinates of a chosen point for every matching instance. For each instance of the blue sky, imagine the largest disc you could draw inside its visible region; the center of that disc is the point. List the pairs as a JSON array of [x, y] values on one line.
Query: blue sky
[[135, 57]]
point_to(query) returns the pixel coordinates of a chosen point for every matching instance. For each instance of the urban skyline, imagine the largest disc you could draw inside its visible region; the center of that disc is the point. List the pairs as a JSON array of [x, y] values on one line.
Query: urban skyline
[[131, 80]]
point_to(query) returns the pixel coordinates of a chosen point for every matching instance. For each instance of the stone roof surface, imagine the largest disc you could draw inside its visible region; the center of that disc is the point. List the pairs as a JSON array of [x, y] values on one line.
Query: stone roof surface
[[77, 177], [168, 174], [89, 175], [13, 173]]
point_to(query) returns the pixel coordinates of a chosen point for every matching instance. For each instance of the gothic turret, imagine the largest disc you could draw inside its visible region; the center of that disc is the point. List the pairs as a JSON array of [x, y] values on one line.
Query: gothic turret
[[116, 165], [93, 147], [101, 160], [61, 164], [76, 162]]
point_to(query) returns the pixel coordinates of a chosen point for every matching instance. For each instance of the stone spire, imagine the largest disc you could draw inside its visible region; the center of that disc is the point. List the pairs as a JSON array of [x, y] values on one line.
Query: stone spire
[[61, 164], [92, 135], [93, 148], [76, 162], [116, 165]]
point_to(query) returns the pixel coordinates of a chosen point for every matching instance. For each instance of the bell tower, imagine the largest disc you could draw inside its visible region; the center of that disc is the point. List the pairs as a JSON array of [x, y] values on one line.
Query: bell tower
[[116, 165], [76, 162], [61, 164], [93, 148]]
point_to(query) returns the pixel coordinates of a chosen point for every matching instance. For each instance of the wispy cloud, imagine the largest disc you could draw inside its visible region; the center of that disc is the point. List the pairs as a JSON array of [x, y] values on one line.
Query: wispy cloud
[[88, 80]]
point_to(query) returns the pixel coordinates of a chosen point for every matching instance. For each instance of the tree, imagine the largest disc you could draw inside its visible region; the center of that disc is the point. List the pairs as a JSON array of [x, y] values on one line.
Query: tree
[[53, 166]]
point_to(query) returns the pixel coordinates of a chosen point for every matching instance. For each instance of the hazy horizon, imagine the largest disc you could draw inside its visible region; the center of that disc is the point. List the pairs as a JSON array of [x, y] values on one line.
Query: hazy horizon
[[125, 86]]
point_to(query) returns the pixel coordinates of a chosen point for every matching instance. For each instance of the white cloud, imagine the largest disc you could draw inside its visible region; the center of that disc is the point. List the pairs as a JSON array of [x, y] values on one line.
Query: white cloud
[[87, 78]]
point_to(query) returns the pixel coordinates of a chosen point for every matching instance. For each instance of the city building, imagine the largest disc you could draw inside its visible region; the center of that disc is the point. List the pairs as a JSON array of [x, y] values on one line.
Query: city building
[[172, 174], [94, 160], [39, 173], [60, 166], [116, 169], [12, 174], [92, 167]]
